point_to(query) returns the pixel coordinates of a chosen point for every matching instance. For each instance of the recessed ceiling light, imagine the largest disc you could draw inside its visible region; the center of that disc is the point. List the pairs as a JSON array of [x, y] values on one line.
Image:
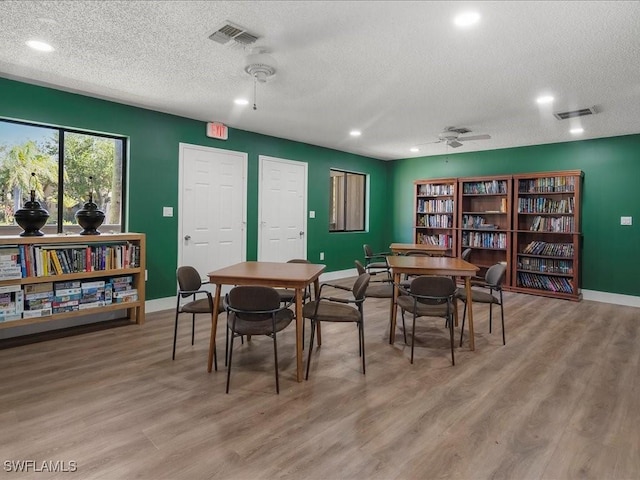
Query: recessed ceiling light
[[355, 133], [466, 19], [40, 46], [576, 131], [241, 101], [414, 149], [544, 99]]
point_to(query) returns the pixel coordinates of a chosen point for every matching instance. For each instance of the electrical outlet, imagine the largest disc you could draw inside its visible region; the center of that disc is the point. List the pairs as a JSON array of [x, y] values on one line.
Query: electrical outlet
[[321, 255], [312, 214], [626, 220]]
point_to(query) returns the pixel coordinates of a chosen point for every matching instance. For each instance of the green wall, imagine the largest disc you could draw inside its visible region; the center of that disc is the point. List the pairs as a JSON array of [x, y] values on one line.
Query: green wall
[[154, 139], [611, 169]]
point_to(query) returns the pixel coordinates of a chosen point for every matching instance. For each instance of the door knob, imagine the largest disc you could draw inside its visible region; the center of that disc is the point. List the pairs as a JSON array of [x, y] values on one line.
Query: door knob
[[301, 234], [187, 237]]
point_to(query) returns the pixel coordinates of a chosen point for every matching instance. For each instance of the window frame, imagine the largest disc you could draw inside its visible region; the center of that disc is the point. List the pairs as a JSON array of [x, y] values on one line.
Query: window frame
[[345, 195], [60, 227]]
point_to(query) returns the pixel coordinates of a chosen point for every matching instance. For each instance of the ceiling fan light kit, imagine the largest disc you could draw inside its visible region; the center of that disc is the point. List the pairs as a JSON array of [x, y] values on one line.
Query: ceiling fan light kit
[[260, 65]]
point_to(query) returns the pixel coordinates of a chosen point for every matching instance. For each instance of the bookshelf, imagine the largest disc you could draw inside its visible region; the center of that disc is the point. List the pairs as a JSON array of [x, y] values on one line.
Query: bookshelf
[[43, 279], [435, 212], [546, 237], [484, 220]]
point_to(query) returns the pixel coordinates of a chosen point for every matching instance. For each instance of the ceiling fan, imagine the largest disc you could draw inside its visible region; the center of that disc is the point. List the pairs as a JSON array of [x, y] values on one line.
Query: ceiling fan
[[451, 136]]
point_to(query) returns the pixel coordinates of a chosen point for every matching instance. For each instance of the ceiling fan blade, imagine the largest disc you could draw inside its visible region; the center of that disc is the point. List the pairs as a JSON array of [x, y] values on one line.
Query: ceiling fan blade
[[454, 144], [475, 137]]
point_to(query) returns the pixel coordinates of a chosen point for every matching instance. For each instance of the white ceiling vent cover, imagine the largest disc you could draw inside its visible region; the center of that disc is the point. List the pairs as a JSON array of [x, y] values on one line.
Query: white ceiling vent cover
[[233, 35], [575, 113]]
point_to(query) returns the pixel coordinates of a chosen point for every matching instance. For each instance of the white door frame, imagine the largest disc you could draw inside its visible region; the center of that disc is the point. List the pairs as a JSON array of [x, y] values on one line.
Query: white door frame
[[305, 165]]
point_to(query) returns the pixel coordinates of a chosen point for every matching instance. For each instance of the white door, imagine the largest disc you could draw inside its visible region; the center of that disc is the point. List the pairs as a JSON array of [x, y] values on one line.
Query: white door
[[212, 207], [282, 206]]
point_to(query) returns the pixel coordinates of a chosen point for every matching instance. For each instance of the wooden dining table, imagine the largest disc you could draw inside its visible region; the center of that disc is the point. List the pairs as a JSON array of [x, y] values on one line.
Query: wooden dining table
[[296, 276], [424, 265], [403, 248]]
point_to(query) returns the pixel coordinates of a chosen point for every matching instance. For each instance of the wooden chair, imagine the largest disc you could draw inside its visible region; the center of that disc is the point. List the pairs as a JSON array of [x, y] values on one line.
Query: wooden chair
[[333, 309], [189, 285], [256, 310], [430, 296]]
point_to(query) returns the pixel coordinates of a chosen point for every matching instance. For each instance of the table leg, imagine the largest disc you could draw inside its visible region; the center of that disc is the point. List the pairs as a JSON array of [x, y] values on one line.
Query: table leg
[[214, 326], [467, 286], [394, 310], [299, 339]]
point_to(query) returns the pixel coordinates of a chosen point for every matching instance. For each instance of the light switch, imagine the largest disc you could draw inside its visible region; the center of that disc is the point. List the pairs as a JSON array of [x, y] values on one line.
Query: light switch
[[312, 214], [167, 211], [626, 220]]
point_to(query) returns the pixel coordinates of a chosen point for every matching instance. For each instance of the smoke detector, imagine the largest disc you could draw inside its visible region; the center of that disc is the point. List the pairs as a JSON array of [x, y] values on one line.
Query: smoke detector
[[260, 65]]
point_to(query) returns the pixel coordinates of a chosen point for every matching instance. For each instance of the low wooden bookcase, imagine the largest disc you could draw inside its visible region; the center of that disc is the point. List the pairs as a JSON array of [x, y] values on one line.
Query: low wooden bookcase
[[106, 257]]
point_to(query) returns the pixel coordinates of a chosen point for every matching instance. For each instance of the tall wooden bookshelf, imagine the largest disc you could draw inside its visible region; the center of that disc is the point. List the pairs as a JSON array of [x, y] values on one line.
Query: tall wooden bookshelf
[[484, 220], [435, 212], [546, 219], [79, 260]]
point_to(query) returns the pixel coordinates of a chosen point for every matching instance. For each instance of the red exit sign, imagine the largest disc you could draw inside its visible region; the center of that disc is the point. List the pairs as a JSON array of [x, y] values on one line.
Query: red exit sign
[[217, 130]]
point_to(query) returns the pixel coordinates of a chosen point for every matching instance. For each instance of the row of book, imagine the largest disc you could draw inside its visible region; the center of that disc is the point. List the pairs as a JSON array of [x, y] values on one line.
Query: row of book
[[431, 189], [549, 249], [435, 221], [547, 184], [484, 240], [550, 224], [476, 221], [435, 206], [493, 187], [442, 240], [545, 265], [545, 282], [22, 261], [545, 205], [48, 298]]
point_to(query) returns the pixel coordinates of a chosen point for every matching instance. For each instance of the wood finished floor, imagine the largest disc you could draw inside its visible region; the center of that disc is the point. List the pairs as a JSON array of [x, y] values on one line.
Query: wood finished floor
[[560, 401]]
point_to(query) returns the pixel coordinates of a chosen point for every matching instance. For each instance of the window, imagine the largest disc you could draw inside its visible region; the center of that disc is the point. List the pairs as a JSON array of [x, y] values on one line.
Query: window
[[347, 201], [63, 161]]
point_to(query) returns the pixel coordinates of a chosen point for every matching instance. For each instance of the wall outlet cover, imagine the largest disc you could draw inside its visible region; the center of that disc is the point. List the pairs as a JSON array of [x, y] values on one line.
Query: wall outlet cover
[[626, 220]]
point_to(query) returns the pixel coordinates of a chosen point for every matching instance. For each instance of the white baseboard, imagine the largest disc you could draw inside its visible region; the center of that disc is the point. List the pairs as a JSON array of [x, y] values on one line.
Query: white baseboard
[[616, 298]]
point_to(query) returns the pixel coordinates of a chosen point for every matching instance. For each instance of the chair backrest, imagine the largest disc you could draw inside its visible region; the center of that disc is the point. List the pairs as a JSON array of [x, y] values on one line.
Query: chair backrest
[[246, 300], [188, 279], [466, 254], [418, 253], [360, 267], [368, 251], [495, 275], [437, 288], [298, 260], [360, 286]]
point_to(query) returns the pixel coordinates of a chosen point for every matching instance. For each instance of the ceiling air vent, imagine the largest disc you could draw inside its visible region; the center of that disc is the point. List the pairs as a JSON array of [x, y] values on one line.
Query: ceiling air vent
[[575, 113], [233, 35]]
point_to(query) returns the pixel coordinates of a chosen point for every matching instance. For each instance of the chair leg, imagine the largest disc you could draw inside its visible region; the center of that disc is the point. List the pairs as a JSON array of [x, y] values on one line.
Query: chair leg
[[193, 327], [404, 328], [450, 317], [413, 336], [464, 314], [313, 329], [175, 335], [504, 340], [229, 366], [361, 333], [275, 358]]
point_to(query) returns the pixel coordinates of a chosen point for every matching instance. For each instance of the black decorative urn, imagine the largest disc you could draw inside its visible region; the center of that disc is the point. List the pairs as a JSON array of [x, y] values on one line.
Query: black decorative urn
[[31, 217], [90, 217]]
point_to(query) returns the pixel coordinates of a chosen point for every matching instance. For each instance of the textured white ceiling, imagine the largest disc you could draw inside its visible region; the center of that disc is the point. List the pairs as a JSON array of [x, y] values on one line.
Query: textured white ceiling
[[399, 71]]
